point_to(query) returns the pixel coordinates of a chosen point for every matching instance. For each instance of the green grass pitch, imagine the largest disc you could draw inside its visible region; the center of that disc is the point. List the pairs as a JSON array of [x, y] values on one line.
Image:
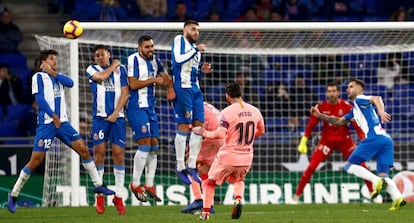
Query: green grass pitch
[[354, 213]]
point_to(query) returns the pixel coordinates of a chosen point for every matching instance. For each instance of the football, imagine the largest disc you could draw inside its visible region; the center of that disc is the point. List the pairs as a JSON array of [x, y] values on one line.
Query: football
[[72, 29], [405, 183]]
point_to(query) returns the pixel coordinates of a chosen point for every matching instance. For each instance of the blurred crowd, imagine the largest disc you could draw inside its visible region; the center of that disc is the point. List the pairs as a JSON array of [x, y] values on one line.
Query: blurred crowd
[[235, 10]]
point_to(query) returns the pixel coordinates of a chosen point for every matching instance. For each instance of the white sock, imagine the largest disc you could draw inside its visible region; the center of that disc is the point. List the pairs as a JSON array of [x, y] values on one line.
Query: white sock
[[119, 173], [392, 189], [363, 173], [195, 146], [24, 175], [151, 169], [179, 142], [90, 167], [140, 159], [100, 170]]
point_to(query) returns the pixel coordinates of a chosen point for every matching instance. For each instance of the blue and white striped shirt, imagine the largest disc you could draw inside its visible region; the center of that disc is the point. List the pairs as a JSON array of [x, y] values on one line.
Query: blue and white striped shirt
[[365, 116], [107, 93], [185, 63], [143, 69], [52, 91]]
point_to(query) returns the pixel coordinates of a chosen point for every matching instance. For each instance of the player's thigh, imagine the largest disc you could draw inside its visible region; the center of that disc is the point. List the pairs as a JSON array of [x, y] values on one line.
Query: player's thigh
[[238, 173], [100, 130], [366, 150], [321, 152], [45, 135], [183, 106], [154, 123], [67, 134], [117, 132], [218, 173], [198, 106], [346, 147], [385, 156]]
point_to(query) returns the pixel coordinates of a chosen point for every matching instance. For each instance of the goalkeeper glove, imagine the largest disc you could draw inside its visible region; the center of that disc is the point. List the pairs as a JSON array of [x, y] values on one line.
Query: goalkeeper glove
[[303, 147]]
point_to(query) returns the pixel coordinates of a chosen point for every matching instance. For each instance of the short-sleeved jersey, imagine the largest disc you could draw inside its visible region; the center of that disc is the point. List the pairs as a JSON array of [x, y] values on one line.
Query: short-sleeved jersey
[[243, 122], [364, 114], [53, 92], [329, 131], [185, 63], [143, 69], [107, 93]]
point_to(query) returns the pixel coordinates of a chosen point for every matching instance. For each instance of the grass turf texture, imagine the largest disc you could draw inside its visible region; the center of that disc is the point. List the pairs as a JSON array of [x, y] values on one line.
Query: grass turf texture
[[251, 213]]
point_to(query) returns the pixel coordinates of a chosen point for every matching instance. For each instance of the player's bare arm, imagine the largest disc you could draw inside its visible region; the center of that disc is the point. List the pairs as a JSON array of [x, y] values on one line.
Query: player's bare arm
[[56, 120], [169, 83], [379, 104], [103, 75], [121, 104], [331, 119], [135, 84]]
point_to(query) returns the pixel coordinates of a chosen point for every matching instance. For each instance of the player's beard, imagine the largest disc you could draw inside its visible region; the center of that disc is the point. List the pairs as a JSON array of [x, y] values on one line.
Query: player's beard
[[148, 56], [190, 38]]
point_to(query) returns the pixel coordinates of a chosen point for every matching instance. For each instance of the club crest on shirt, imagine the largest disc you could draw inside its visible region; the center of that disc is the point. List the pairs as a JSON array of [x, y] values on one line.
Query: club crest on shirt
[[340, 112], [95, 136], [144, 129], [40, 143]]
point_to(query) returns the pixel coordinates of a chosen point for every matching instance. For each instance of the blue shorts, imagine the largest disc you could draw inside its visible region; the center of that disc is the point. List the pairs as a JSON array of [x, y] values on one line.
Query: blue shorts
[[188, 105], [144, 123], [379, 147], [45, 135], [103, 130]]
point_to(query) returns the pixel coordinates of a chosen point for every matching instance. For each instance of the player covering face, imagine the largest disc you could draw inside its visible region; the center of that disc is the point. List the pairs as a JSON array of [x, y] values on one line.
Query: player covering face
[[48, 88], [109, 88]]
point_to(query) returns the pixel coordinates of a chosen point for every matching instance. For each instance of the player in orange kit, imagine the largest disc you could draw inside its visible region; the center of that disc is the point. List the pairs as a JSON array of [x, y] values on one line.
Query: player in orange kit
[[240, 124], [205, 158]]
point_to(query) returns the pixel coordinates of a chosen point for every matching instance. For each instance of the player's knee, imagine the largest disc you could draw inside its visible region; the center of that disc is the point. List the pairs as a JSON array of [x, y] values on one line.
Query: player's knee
[[383, 170]]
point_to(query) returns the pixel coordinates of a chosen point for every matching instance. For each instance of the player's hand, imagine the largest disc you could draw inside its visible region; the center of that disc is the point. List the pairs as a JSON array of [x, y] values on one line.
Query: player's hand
[[112, 118], [201, 47], [159, 80], [206, 68], [315, 111], [170, 94], [46, 67], [56, 121], [303, 145], [199, 130], [116, 63], [385, 117]]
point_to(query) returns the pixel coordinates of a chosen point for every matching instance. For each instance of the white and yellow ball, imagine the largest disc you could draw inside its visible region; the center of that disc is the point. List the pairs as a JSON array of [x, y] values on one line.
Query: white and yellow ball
[[72, 29]]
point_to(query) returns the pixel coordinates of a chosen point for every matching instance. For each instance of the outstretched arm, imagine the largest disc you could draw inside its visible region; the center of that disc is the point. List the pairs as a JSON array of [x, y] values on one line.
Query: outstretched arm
[[331, 119]]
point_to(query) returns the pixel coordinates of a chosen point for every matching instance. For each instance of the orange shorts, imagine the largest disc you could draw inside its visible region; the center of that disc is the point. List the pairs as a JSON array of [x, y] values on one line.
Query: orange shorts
[[220, 173], [208, 151]]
